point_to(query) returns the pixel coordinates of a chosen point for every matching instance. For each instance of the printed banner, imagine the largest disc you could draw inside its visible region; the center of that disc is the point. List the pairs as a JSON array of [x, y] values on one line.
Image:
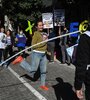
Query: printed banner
[[59, 17], [47, 20]]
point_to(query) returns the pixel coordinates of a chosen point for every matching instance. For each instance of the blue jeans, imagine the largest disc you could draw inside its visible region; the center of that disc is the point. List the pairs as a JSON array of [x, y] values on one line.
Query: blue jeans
[[38, 60]]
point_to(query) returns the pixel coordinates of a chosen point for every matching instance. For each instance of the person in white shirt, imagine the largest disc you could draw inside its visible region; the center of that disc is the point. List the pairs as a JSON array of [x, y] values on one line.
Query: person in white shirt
[[2, 42]]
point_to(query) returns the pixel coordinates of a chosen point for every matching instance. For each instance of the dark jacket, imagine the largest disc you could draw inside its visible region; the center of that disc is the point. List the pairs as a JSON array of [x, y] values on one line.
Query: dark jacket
[[64, 40], [51, 35], [82, 73]]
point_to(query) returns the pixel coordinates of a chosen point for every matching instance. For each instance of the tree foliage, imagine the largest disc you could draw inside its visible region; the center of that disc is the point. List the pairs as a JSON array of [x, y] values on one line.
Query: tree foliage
[[22, 9]]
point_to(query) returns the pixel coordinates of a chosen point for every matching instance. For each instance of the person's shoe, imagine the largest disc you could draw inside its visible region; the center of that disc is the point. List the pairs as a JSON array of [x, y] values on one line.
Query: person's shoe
[[62, 62], [68, 64], [17, 60], [51, 61], [44, 88], [5, 65]]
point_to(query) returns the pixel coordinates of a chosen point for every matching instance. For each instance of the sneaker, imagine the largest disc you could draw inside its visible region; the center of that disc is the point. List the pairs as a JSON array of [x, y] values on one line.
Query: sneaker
[[44, 88], [68, 64], [51, 61], [5, 65], [17, 60]]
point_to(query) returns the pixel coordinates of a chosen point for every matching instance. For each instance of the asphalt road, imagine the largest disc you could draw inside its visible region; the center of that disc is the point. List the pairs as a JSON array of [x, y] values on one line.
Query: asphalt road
[[60, 80]]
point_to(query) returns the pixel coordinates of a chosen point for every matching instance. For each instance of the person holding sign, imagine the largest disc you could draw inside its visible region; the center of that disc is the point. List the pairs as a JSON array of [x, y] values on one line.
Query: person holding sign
[[51, 45], [38, 56], [21, 41], [64, 43]]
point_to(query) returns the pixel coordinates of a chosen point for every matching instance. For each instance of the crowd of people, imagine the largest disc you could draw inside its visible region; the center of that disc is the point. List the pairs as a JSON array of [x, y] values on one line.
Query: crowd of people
[[39, 54], [8, 42]]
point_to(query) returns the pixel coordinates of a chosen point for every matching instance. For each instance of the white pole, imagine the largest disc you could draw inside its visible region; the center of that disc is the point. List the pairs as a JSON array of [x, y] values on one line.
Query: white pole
[[38, 44]]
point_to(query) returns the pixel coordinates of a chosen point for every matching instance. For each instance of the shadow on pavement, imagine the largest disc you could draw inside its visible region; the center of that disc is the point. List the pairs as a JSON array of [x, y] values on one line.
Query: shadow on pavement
[[36, 76], [64, 91]]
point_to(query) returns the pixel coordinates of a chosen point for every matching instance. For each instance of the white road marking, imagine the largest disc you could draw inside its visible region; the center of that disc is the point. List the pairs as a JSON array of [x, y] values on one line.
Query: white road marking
[[35, 92]]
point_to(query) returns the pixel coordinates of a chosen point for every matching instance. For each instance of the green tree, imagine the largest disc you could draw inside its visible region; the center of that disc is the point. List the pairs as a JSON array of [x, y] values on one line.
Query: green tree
[[22, 9]]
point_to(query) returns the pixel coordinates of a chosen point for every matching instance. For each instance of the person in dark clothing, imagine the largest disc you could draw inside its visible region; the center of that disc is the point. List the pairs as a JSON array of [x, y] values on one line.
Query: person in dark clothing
[[64, 43], [82, 64], [51, 45]]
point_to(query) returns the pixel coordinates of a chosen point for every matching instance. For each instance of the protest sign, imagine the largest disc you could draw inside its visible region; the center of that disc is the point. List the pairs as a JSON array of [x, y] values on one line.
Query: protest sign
[[59, 17], [47, 20]]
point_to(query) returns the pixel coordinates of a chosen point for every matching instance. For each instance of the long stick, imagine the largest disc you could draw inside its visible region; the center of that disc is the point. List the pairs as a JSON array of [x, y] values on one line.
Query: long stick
[[38, 44]]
